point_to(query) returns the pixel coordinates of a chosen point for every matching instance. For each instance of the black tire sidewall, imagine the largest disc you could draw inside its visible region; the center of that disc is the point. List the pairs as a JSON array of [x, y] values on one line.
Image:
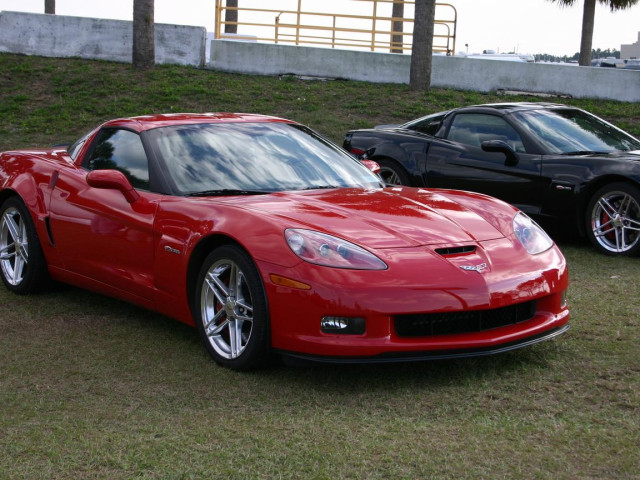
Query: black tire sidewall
[[256, 351], [620, 187]]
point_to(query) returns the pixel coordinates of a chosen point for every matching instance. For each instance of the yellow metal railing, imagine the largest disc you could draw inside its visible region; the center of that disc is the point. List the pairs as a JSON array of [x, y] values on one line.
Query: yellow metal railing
[[348, 29]]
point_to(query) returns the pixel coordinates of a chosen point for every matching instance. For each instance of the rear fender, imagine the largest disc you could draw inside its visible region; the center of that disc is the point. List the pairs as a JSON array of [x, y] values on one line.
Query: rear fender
[[412, 157], [408, 154]]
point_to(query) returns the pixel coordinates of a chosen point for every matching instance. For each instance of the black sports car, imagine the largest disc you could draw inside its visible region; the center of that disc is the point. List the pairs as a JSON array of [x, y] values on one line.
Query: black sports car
[[559, 164]]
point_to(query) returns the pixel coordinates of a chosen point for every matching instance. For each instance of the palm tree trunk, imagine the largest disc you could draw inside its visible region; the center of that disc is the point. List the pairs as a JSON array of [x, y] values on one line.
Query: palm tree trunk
[[422, 50], [143, 34], [50, 6], [397, 40], [231, 17], [588, 20]]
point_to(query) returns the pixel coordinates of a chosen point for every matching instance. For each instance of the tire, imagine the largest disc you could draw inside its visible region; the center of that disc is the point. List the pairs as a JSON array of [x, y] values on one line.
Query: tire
[[392, 173], [22, 264], [233, 322], [613, 219]]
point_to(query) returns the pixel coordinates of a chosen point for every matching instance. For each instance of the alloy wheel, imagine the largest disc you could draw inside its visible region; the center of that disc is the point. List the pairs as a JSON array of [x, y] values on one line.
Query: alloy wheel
[[227, 309], [14, 246], [615, 221]]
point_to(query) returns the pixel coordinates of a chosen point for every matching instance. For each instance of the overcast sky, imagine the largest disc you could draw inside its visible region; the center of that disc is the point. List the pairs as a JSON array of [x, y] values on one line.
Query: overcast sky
[[526, 26]]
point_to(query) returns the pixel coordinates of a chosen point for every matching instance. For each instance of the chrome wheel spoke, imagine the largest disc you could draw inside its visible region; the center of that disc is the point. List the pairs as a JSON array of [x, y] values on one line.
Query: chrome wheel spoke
[[217, 328], [6, 253], [619, 240], [216, 286], [14, 229], [634, 225], [600, 231], [23, 251], [607, 208], [625, 205], [18, 268], [235, 338], [235, 276]]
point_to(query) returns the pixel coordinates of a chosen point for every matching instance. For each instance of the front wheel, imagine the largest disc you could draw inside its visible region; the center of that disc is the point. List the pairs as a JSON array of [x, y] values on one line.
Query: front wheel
[[231, 309], [22, 264], [613, 219]]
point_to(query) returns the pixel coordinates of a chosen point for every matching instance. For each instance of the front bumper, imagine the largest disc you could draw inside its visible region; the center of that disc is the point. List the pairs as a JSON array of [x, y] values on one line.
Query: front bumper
[[416, 288]]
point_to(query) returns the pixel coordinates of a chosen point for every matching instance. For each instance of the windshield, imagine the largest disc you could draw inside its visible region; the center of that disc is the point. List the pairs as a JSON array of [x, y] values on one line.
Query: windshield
[[575, 131], [254, 158]]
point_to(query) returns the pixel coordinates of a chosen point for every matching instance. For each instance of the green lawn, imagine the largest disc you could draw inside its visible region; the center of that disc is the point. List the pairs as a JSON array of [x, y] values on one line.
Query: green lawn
[[92, 388]]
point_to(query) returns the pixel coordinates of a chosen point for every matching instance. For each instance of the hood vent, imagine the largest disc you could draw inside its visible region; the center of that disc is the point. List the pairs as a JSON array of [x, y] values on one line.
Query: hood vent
[[448, 251]]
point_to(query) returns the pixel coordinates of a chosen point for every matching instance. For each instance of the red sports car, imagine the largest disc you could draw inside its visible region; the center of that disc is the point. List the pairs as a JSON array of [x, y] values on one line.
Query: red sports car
[[271, 239]]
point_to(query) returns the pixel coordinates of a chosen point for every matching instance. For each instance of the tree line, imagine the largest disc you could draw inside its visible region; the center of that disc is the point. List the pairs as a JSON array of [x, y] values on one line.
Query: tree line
[[595, 54]]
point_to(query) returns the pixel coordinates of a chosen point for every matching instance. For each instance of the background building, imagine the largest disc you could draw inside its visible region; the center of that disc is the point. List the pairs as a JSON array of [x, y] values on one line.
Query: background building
[[632, 50]]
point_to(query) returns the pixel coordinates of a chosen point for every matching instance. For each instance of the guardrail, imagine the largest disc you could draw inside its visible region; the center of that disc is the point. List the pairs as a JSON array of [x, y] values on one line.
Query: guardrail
[[350, 29]]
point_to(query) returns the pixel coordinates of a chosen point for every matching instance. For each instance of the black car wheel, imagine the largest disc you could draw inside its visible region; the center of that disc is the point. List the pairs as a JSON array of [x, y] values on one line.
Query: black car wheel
[[231, 309], [392, 173], [22, 263], [613, 219]]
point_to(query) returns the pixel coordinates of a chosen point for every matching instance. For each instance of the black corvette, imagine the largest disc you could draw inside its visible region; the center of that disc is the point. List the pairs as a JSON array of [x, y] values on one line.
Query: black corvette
[[559, 164]]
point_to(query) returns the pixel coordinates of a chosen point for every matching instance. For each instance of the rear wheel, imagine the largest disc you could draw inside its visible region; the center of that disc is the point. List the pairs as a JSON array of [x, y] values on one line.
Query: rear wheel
[[392, 173], [231, 309], [613, 219], [22, 265]]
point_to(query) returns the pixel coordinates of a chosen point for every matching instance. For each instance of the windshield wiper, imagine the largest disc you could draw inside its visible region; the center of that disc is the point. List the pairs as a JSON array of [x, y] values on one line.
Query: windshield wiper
[[227, 192], [321, 187]]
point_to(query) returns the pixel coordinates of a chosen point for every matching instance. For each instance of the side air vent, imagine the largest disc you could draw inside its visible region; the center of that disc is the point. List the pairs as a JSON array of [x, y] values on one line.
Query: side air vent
[[456, 250], [47, 223]]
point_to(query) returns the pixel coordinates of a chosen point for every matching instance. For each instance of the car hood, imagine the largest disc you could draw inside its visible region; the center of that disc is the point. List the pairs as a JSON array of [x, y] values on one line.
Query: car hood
[[386, 218]]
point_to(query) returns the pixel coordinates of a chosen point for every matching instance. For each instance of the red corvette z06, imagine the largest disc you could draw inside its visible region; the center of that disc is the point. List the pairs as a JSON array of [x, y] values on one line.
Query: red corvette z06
[[272, 240]]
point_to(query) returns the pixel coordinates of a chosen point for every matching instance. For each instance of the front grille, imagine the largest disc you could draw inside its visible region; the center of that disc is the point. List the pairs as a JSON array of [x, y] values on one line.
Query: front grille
[[448, 323]]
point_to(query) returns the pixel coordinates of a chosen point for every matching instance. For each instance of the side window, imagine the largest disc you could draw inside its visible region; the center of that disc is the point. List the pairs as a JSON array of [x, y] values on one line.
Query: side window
[[429, 125], [475, 128], [120, 150]]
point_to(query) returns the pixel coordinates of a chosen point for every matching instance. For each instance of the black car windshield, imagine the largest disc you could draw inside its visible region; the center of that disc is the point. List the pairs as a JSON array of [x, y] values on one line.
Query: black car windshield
[[573, 131], [246, 158]]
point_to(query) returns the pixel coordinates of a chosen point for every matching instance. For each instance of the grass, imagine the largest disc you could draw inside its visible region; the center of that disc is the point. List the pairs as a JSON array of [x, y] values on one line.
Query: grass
[[49, 101], [93, 388]]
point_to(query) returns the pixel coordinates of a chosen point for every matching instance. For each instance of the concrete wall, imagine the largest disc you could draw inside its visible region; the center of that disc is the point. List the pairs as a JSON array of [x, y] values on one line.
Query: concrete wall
[[450, 72], [64, 36]]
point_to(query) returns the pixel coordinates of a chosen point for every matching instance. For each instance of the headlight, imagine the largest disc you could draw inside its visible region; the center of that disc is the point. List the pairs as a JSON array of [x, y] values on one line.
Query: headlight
[[530, 235], [329, 251]]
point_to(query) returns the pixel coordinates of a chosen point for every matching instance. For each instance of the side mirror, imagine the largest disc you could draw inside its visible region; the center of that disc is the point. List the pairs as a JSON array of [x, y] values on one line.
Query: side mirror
[[500, 146], [112, 180], [371, 165]]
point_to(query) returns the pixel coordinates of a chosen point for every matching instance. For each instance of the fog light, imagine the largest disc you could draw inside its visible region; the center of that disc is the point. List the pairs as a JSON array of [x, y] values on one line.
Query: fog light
[[343, 325]]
